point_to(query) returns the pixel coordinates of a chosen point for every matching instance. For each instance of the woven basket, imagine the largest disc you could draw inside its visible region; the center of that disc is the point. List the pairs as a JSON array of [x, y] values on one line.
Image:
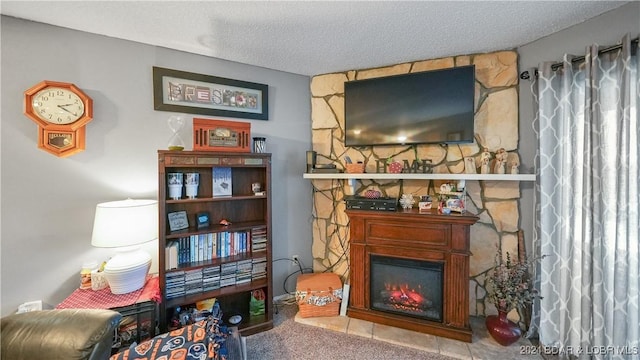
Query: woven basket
[[322, 285], [354, 168], [308, 310]]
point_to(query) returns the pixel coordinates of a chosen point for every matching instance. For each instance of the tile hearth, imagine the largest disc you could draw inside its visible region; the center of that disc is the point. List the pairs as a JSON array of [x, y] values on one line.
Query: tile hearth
[[482, 347]]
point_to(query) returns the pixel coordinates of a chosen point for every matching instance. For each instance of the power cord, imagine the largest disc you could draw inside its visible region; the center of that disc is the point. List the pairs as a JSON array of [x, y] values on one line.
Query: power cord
[[290, 298]]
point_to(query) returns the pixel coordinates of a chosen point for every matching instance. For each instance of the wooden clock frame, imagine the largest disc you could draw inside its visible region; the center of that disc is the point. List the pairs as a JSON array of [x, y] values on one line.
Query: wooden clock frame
[[60, 140]]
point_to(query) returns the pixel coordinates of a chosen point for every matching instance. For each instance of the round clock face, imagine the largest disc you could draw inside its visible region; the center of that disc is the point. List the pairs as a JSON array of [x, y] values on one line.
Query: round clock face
[[58, 105]]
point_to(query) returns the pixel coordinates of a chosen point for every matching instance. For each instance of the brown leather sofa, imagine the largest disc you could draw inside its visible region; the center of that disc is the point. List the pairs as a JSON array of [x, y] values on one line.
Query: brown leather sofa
[[58, 334]]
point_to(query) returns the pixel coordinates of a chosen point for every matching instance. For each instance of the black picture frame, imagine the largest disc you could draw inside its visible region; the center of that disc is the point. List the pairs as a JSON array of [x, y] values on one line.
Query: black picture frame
[[202, 219], [178, 220], [192, 93]]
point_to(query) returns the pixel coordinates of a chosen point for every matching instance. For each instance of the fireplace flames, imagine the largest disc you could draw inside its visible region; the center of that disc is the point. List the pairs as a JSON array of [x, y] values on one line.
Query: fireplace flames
[[405, 298]]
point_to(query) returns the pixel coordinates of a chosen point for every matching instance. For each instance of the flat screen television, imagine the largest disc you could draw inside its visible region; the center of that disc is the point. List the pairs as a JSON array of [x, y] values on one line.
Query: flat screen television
[[429, 107]]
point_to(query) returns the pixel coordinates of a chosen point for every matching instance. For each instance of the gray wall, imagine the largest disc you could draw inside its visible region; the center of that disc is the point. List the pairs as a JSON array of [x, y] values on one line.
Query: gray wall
[[606, 29], [48, 203]]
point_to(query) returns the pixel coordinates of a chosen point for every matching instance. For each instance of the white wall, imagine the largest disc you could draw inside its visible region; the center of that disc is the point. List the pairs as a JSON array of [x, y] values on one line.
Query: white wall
[[48, 203], [606, 29]]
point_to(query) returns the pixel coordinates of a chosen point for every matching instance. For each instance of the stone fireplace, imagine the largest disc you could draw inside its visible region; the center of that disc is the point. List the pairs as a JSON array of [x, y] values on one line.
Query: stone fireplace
[[495, 202], [411, 270]]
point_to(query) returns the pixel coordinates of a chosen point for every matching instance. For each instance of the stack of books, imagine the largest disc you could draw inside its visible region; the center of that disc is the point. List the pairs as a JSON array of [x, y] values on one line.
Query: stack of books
[[259, 268], [193, 281], [175, 284], [243, 271], [211, 278], [258, 239], [228, 274]]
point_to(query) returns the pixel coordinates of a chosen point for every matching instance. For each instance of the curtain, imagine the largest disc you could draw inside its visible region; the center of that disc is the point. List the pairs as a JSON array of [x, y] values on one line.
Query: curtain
[[587, 196]]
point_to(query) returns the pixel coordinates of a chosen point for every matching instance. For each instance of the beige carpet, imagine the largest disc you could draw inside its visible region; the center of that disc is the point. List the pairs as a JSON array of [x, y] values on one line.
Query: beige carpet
[[291, 340]]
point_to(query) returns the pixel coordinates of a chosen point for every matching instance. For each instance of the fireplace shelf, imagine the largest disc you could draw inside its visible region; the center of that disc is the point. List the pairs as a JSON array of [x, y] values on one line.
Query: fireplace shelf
[[417, 176]]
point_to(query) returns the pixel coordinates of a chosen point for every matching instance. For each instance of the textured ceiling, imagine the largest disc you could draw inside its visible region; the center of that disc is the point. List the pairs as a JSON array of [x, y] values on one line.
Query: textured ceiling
[[317, 37]]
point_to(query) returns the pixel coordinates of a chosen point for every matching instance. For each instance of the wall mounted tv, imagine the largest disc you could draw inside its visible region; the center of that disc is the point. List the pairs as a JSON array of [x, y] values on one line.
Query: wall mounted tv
[[430, 107]]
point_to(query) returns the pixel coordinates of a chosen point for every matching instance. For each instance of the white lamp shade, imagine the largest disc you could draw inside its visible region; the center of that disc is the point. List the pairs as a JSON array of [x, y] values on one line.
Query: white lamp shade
[[125, 223]]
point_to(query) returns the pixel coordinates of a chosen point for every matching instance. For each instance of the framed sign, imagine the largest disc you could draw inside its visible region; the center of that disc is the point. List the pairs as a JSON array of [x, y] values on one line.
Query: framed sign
[[186, 92], [178, 220], [202, 219]]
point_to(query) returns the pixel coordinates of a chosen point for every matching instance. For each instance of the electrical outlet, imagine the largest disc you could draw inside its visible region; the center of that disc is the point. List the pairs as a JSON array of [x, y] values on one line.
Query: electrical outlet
[[295, 260]]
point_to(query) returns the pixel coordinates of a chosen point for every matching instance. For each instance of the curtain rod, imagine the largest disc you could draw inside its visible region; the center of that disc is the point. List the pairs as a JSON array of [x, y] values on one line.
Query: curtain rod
[[525, 74]]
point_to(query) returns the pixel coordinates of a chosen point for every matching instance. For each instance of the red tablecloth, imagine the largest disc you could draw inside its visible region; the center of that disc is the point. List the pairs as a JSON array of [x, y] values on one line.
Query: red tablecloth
[[104, 299]]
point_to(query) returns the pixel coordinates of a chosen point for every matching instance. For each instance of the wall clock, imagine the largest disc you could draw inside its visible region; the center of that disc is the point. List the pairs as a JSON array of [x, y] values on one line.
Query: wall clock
[[61, 111]]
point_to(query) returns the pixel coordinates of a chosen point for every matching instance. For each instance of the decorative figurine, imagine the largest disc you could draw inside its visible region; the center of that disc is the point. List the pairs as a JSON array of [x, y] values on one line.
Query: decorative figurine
[[469, 165], [445, 188], [486, 155], [407, 201], [514, 167], [485, 161], [484, 166], [499, 167]]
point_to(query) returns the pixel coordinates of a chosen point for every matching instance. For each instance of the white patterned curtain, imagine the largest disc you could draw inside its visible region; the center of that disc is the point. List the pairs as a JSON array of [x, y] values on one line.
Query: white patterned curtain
[[587, 205]]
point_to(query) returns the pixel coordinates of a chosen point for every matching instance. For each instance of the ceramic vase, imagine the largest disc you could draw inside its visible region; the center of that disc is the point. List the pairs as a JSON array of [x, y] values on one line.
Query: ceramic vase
[[503, 330]]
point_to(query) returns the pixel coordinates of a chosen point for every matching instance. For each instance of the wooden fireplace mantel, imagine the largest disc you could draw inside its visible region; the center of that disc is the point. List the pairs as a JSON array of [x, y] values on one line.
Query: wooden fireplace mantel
[[419, 236]]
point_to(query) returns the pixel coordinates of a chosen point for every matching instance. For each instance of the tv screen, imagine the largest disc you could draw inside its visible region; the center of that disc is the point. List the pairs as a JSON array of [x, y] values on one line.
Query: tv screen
[[430, 107]]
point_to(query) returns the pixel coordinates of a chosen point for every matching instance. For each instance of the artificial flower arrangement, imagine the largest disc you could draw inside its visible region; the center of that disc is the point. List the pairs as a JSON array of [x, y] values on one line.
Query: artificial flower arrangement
[[509, 284]]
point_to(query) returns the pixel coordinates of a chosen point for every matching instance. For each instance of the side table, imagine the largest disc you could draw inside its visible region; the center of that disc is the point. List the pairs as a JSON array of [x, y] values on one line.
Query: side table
[[138, 308]]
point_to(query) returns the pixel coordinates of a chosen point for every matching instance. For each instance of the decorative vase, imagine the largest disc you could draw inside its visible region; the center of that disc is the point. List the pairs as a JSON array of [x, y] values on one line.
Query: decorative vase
[[503, 330]]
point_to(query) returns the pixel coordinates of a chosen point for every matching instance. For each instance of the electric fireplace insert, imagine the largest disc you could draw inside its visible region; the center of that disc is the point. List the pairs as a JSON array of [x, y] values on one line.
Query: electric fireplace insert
[[407, 287]]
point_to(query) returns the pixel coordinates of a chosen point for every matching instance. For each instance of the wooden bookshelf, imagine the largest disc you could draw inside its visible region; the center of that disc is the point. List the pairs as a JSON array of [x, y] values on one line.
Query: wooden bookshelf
[[246, 213]]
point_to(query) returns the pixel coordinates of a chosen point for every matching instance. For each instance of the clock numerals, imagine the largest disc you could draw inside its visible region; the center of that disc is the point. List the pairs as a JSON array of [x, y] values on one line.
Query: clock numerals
[[59, 106], [61, 111]]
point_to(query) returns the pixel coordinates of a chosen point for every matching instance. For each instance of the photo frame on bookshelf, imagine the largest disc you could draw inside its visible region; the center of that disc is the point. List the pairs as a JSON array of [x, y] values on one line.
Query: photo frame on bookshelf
[[202, 219], [178, 220], [222, 181]]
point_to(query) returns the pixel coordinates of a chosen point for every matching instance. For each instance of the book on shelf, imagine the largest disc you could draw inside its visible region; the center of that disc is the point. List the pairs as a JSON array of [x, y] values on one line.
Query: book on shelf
[[212, 246], [222, 181], [259, 268], [171, 255], [258, 239]]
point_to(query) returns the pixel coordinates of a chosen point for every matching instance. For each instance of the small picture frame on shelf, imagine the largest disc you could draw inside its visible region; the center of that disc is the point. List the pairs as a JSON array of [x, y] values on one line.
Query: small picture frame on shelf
[[202, 219], [222, 181], [178, 220]]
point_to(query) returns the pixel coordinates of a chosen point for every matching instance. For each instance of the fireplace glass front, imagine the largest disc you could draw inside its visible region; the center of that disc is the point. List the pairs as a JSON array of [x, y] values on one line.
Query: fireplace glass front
[[407, 287]]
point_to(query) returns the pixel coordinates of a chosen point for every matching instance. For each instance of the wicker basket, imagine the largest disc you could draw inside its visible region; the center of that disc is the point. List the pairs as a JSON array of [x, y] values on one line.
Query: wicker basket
[[354, 168], [324, 286]]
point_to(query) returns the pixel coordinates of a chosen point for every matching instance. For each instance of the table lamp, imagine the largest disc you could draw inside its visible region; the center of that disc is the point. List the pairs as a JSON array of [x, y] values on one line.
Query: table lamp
[[125, 225]]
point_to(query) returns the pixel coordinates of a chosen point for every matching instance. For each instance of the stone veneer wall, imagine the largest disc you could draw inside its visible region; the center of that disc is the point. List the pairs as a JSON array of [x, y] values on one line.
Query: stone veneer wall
[[495, 202]]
